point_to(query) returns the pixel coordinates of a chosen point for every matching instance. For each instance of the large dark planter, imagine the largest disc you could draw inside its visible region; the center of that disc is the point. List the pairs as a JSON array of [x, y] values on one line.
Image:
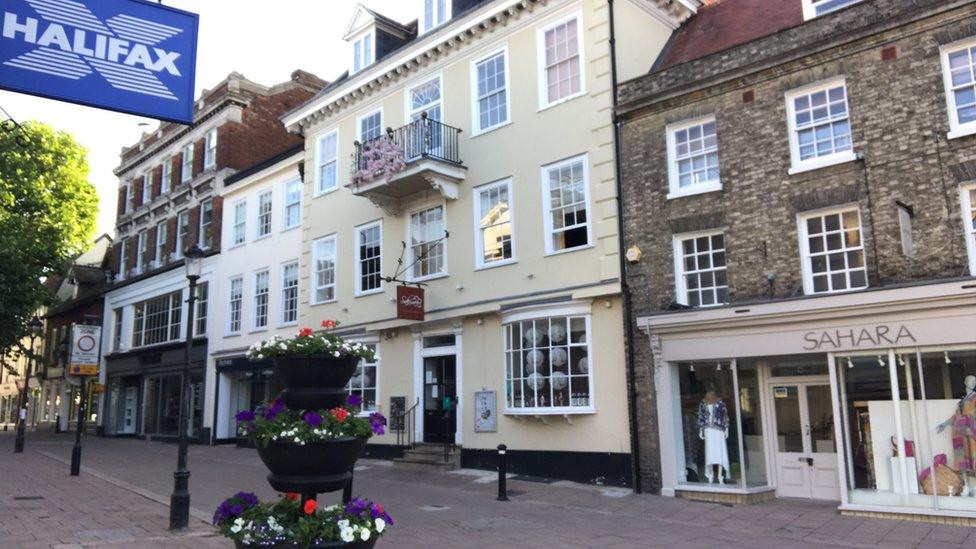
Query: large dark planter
[[314, 382], [335, 544], [311, 468]]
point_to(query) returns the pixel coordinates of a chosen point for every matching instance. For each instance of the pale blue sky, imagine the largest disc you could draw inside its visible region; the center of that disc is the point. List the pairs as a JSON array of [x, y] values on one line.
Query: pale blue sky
[[264, 41]]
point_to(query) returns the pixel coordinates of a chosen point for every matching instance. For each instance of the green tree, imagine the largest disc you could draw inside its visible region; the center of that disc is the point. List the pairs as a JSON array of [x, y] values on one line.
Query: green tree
[[47, 216]]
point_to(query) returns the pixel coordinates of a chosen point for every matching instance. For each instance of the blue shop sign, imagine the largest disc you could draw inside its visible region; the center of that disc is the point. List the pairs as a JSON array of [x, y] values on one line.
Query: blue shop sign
[[130, 56]]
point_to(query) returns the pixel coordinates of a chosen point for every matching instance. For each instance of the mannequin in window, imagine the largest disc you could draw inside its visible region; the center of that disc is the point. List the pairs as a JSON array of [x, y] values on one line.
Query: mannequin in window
[[713, 428], [963, 424]]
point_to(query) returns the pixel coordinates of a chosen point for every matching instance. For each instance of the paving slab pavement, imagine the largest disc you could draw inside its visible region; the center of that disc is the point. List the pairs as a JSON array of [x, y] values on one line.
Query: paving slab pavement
[[121, 498]]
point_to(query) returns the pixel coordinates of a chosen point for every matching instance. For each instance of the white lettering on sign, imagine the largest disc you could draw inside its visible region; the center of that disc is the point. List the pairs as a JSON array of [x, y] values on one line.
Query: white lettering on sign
[[875, 336], [414, 301], [120, 49]]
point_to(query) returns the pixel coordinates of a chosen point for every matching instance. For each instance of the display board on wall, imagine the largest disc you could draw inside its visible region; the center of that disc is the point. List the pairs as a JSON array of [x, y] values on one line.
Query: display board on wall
[[397, 406], [485, 412]]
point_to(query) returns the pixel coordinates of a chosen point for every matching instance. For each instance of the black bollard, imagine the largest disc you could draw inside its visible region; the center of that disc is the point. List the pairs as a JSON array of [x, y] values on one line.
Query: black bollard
[[347, 491], [502, 473]]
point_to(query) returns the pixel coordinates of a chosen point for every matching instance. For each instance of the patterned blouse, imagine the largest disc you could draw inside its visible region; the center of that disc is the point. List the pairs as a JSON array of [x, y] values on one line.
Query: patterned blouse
[[716, 416]]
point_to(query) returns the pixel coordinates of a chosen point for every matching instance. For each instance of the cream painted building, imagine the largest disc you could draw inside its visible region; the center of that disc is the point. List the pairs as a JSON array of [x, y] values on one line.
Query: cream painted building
[[499, 113]]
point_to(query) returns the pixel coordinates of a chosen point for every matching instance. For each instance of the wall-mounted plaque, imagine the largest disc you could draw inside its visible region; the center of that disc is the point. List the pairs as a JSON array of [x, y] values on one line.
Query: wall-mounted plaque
[[485, 412], [397, 407]]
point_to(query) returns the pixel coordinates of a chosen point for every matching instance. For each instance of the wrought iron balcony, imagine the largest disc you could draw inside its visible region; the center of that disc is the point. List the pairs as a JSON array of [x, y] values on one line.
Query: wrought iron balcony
[[420, 156]]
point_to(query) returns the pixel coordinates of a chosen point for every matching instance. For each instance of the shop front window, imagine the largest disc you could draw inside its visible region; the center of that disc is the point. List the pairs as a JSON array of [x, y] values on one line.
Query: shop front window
[[709, 453], [910, 428], [547, 364]]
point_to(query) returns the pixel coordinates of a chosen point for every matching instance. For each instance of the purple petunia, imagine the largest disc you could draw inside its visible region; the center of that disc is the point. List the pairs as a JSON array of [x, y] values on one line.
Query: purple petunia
[[233, 506], [312, 419], [378, 423], [357, 507], [377, 511], [354, 400], [244, 415], [276, 407]]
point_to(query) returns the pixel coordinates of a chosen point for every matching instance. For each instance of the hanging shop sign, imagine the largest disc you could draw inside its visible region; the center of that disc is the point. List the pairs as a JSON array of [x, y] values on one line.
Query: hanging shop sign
[[410, 303], [84, 350], [130, 56]]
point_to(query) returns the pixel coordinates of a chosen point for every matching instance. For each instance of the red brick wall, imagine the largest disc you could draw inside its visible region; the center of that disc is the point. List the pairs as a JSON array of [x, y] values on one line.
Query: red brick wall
[[157, 181], [218, 218], [261, 135], [137, 192], [194, 229], [122, 199], [171, 236], [151, 235]]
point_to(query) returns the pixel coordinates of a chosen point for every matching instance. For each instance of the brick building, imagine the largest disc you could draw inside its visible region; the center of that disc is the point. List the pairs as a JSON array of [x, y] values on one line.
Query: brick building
[[798, 177], [169, 200]]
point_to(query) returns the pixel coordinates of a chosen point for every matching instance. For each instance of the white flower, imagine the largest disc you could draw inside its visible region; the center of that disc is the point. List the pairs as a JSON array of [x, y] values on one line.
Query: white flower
[[346, 535], [337, 354], [335, 507], [239, 521], [364, 535], [343, 524], [283, 346], [380, 525], [260, 356], [235, 529]]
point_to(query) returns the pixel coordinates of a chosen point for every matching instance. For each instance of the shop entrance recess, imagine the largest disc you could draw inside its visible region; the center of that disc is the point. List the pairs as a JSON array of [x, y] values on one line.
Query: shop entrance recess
[[805, 445]]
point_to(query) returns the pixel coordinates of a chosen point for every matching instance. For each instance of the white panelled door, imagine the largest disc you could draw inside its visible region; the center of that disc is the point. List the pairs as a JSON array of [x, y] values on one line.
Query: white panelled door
[[806, 452]]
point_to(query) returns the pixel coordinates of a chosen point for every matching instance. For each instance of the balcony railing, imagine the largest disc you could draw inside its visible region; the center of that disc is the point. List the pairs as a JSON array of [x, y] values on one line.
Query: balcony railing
[[421, 139]]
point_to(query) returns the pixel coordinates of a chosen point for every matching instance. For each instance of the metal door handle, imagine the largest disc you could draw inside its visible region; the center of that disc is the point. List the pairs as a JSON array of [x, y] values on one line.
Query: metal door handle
[[809, 461]]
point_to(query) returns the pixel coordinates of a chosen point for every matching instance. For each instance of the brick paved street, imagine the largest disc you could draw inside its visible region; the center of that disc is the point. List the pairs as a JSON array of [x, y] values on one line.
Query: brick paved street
[[119, 501]]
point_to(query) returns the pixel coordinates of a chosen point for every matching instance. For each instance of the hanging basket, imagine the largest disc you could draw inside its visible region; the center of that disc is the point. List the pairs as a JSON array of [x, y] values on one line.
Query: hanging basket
[[330, 545]]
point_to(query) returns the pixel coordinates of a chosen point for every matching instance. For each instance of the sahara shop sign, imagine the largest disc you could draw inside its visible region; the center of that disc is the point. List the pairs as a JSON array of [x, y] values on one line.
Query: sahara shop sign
[[130, 56], [410, 303], [855, 338]]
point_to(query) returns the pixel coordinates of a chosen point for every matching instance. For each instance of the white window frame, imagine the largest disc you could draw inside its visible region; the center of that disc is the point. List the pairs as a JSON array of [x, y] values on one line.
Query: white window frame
[[257, 294], [479, 256], [358, 274], [162, 230], [334, 237], [543, 80], [142, 249], [186, 167], [231, 300], [147, 184], [124, 252], [320, 162], [359, 123], [807, 271], [363, 51], [284, 292], [130, 197], [410, 257], [547, 203], [435, 15], [202, 225], [410, 111], [202, 309], [239, 223], [538, 313], [956, 129], [287, 205], [210, 149], [476, 128], [375, 344], [968, 207], [674, 183], [800, 166], [166, 175], [181, 239], [258, 226], [810, 8], [680, 285]]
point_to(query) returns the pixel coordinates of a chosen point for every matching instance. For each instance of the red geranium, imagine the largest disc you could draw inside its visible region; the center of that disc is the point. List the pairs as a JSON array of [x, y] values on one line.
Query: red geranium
[[305, 332], [328, 324], [340, 414], [309, 507], [293, 496]]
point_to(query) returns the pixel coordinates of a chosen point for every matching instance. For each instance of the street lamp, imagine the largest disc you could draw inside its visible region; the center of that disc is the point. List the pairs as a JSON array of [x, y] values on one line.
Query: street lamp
[[35, 326], [179, 502]]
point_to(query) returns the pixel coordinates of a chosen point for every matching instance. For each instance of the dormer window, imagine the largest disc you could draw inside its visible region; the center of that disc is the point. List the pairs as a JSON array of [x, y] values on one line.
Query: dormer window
[[436, 13], [816, 8], [362, 52]]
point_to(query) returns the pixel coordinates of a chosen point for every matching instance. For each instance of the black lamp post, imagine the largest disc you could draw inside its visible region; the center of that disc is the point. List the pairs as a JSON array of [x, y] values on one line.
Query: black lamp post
[[82, 412], [35, 326], [179, 502]]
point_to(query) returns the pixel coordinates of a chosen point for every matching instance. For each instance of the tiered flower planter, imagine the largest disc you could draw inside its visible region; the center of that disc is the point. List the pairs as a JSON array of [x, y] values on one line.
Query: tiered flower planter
[[307, 459]]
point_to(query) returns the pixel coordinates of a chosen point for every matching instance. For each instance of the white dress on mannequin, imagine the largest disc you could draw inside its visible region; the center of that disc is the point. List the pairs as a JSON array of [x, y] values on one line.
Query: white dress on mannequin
[[716, 450]]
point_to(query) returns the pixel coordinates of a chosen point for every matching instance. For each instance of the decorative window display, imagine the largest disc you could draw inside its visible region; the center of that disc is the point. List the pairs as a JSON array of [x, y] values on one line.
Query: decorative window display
[[547, 364], [910, 428]]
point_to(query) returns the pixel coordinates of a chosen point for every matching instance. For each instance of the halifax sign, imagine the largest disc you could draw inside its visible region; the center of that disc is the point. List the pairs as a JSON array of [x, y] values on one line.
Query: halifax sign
[[130, 56]]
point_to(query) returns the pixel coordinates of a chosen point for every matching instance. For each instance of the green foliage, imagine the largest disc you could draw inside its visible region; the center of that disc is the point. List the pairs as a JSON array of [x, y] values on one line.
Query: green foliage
[[273, 421], [47, 215], [307, 343]]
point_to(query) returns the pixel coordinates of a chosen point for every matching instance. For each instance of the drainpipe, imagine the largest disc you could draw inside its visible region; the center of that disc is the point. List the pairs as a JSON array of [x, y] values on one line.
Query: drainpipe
[[624, 287]]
